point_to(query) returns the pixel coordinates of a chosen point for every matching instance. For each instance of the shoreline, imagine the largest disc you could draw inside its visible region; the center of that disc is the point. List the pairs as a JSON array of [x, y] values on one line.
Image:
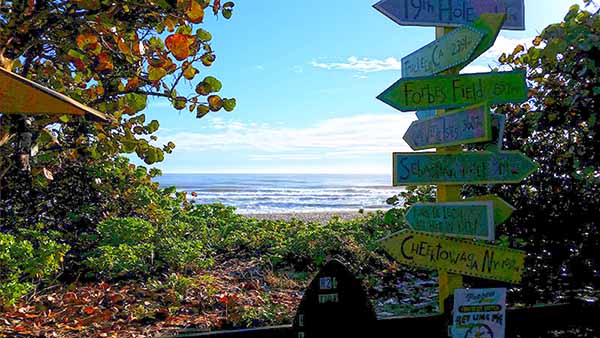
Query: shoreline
[[312, 216]]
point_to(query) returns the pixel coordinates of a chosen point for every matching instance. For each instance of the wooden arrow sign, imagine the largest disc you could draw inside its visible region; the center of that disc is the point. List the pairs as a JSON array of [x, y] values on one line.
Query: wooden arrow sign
[[453, 91], [470, 125], [490, 25], [451, 13], [450, 50], [459, 219], [461, 168], [502, 210], [455, 255]]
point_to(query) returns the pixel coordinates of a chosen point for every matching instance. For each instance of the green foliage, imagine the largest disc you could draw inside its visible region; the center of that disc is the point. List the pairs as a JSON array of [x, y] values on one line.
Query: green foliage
[[125, 231], [22, 263], [121, 260], [557, 207]]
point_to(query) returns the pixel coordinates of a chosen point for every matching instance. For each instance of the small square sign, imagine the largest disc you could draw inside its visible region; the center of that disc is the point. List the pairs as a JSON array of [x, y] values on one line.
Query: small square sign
[[479, 313]]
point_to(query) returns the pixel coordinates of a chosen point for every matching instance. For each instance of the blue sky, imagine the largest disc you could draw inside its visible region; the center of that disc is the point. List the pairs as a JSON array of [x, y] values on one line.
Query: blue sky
[[305, 75]]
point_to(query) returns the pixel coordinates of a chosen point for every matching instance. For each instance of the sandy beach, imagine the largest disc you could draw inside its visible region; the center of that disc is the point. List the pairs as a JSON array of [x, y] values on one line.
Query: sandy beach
[[322, 217]]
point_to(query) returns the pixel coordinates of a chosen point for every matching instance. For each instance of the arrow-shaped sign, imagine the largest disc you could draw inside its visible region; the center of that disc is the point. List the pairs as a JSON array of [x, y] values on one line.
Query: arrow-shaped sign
[[470, 125], [461, 168], [453, 91], [490, 25], [450, 50], [455, 255], [502, 210], [460, 219], [452, 13]]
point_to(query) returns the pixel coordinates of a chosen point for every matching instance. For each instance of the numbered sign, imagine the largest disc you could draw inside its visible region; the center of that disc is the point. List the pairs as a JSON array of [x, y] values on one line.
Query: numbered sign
[[454, 255], [461, 168], [334, 305], [459, 219], [451, 13], [453, 91]]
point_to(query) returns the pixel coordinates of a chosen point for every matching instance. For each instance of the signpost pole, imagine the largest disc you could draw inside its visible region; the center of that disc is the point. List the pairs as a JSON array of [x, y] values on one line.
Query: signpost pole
[[448, 282]]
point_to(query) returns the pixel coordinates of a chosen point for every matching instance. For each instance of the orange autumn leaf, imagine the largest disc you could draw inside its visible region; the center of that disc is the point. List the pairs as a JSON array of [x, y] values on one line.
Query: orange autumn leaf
[[216, 6], [195, 12], [87, 41], [132, 83], [123, 47], [89, 310], [104, 63], [179, 45]]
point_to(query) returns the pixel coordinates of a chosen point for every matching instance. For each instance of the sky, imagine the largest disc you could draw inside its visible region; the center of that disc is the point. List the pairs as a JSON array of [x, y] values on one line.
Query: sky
[[305, 75]]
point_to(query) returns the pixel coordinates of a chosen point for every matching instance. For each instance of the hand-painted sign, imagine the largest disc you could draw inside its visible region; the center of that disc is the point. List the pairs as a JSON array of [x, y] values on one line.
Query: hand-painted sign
[[498, 121], [470, 125], [425, 114], [451, 13], [490, 25], [479, 313], [461, 168], [502, 210], [459, 219], [444, 53], [452, 91], [455, 255]]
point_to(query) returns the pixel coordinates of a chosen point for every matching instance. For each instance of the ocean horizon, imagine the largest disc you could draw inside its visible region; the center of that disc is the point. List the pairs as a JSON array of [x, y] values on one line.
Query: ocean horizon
[[252, 193]]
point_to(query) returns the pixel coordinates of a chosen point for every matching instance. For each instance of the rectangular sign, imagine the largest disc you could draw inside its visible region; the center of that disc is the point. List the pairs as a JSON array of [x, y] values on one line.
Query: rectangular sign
[[479, 313], [461, 168], [451, 13], [454, 91], [459, 219], [455, 255], [442, 54], [470, 125]]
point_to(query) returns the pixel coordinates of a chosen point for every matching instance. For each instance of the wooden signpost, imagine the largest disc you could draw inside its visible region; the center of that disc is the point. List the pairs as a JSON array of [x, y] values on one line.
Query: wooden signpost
[[451, 13], [455, 255], [502, 210], [470, 125], [461, 168], [442, 54], [458, 219], [452, 91]]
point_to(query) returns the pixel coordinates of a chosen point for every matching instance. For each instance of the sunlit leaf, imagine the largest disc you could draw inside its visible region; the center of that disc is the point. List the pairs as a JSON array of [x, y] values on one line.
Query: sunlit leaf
[[179, 45], [201, 110], [229, 104], [104, 63], [215, 102], [195, 12], [179, 102], [156, 73]]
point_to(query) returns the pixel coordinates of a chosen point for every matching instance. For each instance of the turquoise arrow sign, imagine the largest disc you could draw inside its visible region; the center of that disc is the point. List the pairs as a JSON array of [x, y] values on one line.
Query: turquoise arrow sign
[[444, 53], [460, 219], [469, 125], [502, 210], [451, 13], [453, 91], [461, 168]]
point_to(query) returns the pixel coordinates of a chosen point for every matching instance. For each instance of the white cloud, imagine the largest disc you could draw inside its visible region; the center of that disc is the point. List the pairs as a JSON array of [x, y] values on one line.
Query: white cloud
[[364, 65], [346, 137], [506, 45]]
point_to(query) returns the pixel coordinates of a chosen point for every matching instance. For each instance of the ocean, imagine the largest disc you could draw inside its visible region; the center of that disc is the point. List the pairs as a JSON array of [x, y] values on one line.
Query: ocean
[[282, 193]]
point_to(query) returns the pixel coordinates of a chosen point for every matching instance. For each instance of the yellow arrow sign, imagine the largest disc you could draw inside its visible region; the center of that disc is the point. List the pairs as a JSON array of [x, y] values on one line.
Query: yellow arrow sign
[[454, 255]]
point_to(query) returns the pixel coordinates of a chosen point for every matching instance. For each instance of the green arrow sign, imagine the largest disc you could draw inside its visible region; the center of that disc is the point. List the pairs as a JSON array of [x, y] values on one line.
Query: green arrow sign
[[460, 219], [444, 53], [470, 125], [502, 210], [455, 255], [461, 168], [453, 91], [489, 24]]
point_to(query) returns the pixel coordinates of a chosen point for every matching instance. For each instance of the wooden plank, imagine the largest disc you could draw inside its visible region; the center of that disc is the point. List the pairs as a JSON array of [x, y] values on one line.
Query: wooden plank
[[458, 219], [453, 91], [19, 95], [502, 210], [451, 13], [470, 125], [461, 168], [442, 54], [464, 257]]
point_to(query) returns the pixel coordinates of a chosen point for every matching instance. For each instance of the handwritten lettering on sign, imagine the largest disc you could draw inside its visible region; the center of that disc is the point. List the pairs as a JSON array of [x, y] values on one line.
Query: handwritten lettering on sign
[[464, 257], [470, 125], [444, 53], [459, 219], [461, 168], [452, 13], [453, 91]]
